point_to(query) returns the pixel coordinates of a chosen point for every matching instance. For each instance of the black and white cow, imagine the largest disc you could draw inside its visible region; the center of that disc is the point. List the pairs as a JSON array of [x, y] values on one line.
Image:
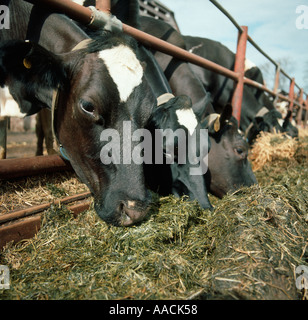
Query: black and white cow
[[223, 159], [184, 149], [97, 88]]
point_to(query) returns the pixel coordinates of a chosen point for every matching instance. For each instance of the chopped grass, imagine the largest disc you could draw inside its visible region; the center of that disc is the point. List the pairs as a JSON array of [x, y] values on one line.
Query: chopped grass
[[247, 248]]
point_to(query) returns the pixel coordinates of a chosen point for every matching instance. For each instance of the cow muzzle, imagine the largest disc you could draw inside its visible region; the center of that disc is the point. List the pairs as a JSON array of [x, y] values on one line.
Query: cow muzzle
[[131, 212], [123, 213]]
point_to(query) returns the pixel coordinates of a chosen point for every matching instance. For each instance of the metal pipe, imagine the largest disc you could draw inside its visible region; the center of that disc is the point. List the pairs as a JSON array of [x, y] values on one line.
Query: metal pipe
[[73, 10], [18, 214], [277, 75], [168, 48], [239, 67], [103, 5], [68, 7], [291, 95], [84, 15], [234, 22], [227, 14], [16, 168]]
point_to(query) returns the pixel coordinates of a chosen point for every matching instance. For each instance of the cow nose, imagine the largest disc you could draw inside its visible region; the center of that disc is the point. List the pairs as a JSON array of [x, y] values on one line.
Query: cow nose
[[132, 212]]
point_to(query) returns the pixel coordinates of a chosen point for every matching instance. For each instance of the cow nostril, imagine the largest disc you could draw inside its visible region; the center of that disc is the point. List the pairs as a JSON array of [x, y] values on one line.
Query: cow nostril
[[131, 212]]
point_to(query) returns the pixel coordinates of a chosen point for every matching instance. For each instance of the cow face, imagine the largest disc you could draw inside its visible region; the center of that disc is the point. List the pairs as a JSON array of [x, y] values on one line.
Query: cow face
[[101, 86], [176, 121], [229, 168], [288, 127], [266, 123]]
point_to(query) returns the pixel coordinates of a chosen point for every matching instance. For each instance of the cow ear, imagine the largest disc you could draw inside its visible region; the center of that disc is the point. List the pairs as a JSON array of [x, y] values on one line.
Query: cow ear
[[226, 114], [33, 69]]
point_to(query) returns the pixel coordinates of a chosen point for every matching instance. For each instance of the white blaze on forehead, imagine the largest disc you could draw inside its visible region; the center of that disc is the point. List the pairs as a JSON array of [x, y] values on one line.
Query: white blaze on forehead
[[8, 106], [187, 118], [249, 64], [124, 68], [81, 2]]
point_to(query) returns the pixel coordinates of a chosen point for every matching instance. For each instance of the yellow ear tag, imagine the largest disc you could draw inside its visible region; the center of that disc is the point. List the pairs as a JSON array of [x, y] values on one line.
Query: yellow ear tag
[[217, 124], [27, 63]]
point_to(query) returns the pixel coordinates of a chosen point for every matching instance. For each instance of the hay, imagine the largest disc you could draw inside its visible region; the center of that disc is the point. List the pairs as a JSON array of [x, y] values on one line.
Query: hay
[[271, 146], [26, 192], [247, 248]]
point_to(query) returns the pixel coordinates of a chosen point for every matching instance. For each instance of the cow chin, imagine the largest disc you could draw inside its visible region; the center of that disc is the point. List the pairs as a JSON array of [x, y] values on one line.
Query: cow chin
[[125, 213]]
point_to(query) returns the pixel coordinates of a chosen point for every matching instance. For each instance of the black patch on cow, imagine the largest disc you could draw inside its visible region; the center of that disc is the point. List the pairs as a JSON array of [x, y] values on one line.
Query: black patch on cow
[[45, 67], [37, 19]]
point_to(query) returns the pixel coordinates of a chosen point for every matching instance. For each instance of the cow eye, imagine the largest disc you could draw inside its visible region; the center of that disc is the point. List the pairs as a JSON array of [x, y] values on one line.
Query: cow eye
[[239, 150], [87, 107]]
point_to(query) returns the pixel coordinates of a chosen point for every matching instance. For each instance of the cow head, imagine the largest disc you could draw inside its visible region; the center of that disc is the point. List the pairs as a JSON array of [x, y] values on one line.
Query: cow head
[[229, 168], [288, 127], [173, 124], [98, 87], [265, 120]]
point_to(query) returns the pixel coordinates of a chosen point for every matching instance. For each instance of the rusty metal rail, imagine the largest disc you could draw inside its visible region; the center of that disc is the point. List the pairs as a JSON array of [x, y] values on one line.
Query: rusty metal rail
[[25, 223], [293, 84], [23, 167], [84, 15]]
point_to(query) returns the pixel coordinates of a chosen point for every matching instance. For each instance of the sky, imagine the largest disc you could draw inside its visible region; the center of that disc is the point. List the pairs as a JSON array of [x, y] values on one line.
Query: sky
[[272, 24]]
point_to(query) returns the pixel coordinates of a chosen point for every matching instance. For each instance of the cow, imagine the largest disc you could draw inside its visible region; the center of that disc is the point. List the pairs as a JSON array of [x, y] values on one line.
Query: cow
[[227, 167], [220, 87], [184, 142], [93, 88]]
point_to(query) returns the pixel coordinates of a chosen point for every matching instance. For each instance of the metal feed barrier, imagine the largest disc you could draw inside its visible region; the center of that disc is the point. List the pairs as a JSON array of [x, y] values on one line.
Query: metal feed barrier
[[11, 228]]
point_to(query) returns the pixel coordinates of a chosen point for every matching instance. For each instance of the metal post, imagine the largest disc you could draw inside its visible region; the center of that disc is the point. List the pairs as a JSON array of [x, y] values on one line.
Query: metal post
[[301, 102], [239, 68], [277, 75], [291, 96], [103, 5], [3, 136]]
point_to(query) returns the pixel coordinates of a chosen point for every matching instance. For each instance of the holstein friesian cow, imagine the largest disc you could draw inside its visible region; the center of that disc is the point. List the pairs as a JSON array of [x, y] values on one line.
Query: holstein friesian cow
[[184, 151], [253, 118], [92, 88], [226, 167], [181, 181], [229, 168]]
